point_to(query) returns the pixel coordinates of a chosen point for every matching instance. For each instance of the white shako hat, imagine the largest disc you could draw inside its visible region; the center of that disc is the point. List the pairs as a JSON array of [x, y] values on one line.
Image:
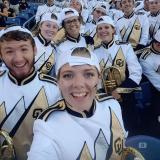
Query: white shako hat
[[105, 19], [67, 13], [14, 28], [50, 17], [72, 60]]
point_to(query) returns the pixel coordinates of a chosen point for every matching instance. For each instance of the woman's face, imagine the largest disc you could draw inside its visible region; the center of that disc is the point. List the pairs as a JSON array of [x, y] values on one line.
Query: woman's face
[[78, 85], [105, 32], [48, 30], [127, 6]]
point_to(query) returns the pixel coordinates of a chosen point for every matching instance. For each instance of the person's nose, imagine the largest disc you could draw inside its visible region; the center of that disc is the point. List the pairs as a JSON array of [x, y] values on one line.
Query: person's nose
[[79, 81]]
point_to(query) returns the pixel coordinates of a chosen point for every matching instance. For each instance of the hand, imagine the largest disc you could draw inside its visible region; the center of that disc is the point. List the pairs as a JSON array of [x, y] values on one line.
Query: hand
[[116, 95]]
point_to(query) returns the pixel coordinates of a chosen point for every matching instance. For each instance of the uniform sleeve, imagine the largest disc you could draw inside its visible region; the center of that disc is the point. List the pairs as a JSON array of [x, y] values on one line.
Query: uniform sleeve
[[134, 67], [43, 146], [151, 74], [145, 30]]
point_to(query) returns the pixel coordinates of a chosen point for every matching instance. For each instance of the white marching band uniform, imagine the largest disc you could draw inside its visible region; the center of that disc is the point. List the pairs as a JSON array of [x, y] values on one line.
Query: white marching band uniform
[[120, 55], [133, 29], [93, 134], [150, 62], [154, 24], [21, 103], [46, 55], [46, 8]]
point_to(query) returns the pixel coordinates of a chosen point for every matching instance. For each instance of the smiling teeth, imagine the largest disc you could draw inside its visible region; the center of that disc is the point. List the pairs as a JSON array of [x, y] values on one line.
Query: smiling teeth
[[79, 94]]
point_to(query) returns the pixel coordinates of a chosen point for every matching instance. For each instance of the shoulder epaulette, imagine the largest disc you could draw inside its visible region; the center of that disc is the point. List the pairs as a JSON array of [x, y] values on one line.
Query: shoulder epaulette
[[2, 73], [97, 46], [47, 78], [121, 43], [145, 53], [58, 106], [100, 97], [60, 37]]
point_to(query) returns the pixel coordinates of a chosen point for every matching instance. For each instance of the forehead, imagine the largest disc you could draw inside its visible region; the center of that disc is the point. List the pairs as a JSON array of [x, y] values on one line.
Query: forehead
[[123, 1], [77, 68], [70, 18], [48, 23], [104, 25], [13, 44]]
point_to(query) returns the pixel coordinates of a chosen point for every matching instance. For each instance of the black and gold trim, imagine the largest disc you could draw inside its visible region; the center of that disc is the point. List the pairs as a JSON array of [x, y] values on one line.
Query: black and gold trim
[[108, 45], [47, 78], [100, 97], [145, 53], [2, 73], [24, 81], [84, 114], [75, 40], [129, 16], [43, 40], [59, 106]]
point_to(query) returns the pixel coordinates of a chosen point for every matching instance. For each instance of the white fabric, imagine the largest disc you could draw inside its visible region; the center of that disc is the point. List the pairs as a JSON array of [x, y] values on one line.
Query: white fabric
[[133, 66], [105, 19], [157, 36], [76, 60], [128, 23], [46, 9], [48, 17], [14, 28], [63, 136], [151, 69], [68, 15]]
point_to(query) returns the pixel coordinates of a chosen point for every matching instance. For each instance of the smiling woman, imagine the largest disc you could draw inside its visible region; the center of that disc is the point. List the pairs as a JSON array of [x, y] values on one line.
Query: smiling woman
[[47, 30], [83, 125]]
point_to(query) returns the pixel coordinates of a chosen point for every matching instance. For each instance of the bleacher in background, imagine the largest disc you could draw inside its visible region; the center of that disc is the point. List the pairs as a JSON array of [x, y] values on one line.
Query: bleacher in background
[[24, 16]]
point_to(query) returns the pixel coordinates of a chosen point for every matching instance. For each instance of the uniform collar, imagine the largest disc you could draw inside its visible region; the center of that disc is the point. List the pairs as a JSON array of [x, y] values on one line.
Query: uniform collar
[[84, 114], [76, 40], [154, 51], [43, 40], [49, 5], [108, 45], [93, 22], [24, 81], [128, 17], [155, 14]]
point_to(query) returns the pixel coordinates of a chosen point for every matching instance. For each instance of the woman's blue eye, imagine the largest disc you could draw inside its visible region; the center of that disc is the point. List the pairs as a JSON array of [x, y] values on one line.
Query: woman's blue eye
[[67, 76]]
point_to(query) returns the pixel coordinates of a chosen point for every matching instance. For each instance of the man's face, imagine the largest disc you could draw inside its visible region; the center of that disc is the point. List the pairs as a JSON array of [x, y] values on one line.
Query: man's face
[[127, 6], [76, 5], [78, 85], [98, 12], [154, 6], [72, 26], [18, 56]]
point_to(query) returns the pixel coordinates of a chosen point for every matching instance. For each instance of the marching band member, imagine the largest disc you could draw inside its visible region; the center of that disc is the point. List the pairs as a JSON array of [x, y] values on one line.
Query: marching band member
[[48, 7], [120, 55], [150, 62], [72, 37], [154, 18], [46, 52], [24, 92], [100, 9], [143, 8], [81, 125], [133, 27]]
